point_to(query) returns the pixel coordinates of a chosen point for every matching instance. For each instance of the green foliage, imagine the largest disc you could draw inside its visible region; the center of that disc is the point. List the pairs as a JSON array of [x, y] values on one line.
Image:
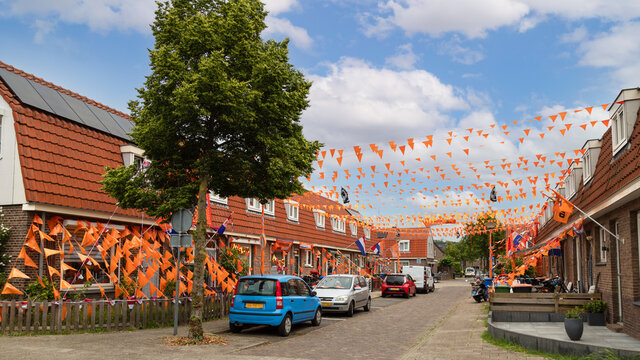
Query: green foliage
[[127, 284], [506, 266], [5, 231], [457, 268], [595, 306], [229, 260], [574, 313], [36, 292], [446, 261], [476, 246]]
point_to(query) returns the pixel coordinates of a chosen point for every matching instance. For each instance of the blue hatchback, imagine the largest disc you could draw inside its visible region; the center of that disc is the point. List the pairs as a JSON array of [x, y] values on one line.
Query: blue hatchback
[[275, 300]]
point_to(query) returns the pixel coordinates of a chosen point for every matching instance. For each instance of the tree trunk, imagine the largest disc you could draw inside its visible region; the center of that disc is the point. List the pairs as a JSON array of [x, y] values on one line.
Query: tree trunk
[[197, 294]]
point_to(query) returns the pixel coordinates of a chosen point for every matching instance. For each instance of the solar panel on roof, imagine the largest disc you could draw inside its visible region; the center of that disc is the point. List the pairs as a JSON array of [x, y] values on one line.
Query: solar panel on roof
[[82, 109], [23, 89], [109, 122], [125, 124], [55, 101]]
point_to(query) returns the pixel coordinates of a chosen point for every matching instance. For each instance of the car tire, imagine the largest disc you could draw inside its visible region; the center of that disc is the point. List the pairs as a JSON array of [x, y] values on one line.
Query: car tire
[[368, 306], [406, 295], [235, 328], [383, 295], [415, 292], [284, 329], [317, 319], [350, 310]]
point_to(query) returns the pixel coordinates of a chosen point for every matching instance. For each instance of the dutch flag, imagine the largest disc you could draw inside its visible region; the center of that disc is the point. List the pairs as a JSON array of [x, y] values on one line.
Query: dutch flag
[[223, 227], [361, 245], [376, 249]]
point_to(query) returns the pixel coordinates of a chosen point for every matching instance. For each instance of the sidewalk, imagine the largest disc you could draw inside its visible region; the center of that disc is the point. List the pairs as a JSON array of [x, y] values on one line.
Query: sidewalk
[[458, 335]]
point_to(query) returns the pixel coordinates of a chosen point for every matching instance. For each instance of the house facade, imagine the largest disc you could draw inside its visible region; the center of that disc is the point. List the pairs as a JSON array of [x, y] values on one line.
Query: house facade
[[54, 147], [605, 184]]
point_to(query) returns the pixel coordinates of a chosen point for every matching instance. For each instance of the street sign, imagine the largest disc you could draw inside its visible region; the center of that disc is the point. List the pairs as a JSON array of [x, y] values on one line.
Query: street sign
[[181, 240], [182, 220]]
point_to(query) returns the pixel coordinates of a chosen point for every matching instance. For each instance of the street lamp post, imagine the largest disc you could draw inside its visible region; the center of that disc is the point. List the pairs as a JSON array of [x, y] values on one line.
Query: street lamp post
[[490, 225]]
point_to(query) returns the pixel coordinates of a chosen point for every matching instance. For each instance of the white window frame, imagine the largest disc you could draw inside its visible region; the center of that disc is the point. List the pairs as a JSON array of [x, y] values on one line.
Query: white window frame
[[319, 216], [360, 261], [93, 286], [270, 208], [619, 134], [353, 226], [338, 224], [404, 246], [308, 258], [293, 210], [215, 198], [253, 205], [367, 232], [587, 172], [603, 253], [571, 185]]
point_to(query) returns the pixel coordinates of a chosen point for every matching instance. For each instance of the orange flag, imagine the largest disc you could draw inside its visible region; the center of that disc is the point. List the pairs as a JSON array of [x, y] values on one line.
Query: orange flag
[[10, 289], [17, 273]]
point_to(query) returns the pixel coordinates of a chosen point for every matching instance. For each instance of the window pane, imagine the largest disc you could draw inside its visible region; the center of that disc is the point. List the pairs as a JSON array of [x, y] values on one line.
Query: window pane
[[263, 287]]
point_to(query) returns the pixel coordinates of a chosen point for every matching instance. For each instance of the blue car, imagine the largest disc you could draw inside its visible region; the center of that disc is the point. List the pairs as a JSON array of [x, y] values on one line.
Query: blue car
[[275, 300]]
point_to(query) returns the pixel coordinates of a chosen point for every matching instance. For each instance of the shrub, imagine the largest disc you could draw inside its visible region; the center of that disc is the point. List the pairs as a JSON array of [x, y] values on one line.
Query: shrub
[[574, 313], [595, 306]]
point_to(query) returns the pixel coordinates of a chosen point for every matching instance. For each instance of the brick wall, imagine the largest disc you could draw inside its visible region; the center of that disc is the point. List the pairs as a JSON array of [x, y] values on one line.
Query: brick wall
[[19, 222]]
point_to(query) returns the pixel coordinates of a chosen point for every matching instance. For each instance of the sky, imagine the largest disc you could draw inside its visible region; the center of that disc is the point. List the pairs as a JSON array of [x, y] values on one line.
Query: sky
[[454, 72]]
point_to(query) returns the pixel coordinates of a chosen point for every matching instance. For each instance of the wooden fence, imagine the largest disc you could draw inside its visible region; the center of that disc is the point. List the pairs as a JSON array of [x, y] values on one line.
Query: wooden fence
[[101, 314], [539, 302]]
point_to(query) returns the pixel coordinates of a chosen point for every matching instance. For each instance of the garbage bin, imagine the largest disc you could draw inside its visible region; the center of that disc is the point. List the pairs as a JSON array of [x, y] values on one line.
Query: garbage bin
[[522, 288], [488, 282], [502, 289]]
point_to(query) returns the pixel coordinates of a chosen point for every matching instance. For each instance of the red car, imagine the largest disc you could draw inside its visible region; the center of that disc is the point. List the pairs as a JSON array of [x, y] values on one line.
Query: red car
[[398, 284]]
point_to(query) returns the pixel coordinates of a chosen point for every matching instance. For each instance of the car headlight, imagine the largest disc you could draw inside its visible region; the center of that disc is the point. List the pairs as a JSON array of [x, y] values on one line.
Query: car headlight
[[342, 298]]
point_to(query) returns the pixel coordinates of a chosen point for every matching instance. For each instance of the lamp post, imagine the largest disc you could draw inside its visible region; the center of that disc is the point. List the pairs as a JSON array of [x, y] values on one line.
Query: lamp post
[[490, 225]]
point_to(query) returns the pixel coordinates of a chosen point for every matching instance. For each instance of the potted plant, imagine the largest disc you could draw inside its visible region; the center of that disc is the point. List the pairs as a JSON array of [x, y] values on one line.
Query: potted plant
[[573, 323], [595, 310]]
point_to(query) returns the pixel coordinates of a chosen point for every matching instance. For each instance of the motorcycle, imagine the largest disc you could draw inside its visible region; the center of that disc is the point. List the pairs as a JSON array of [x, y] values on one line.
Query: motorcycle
[[480, 292], [549, 285]]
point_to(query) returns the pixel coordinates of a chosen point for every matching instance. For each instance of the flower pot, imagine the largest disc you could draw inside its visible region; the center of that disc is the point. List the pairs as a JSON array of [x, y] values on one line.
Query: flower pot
[[574, 328], [596, 319]]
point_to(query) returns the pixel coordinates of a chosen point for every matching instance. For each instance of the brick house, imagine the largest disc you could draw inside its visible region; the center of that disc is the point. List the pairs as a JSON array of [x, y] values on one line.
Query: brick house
[[605, 185], [54, 147], [415, 246]]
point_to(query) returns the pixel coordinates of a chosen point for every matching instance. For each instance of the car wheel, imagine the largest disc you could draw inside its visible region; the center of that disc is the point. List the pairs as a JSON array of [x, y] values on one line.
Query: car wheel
[[368, 306], [383, 295], [285, 326], [477, 299], [350, 311], [235, 328], [406, 295], [317, 319], [415, 292]]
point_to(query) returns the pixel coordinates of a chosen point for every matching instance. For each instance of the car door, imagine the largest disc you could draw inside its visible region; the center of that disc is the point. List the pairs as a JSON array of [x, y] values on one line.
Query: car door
[[294, 300], [365, 290], [412, 284], [308, 303]]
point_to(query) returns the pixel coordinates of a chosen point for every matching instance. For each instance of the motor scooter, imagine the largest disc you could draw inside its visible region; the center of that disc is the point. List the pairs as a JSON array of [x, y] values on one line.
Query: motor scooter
[[480, 292]]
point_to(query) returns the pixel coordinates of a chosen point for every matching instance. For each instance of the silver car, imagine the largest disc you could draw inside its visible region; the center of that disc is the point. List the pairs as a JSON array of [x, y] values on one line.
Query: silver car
[[343, 293]]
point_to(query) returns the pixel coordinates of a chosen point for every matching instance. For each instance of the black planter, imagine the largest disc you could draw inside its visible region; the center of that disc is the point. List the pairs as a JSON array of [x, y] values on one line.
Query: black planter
[[574, 328], [596, 319]]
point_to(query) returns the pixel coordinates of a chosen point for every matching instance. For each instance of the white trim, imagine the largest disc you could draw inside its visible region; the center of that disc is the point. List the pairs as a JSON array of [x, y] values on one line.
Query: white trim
[[215, 198], [11, 181], [292, 208], [308, 255], [270, 207], [602, 254], [619, 133], [353, 226], [408, 246], [86, 213], [338, 224], [319, 216], [253, 204], [367, 232], [73, 223]]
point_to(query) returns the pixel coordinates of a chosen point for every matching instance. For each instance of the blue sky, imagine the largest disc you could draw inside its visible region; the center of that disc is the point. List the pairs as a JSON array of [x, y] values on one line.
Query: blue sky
[[384, 71]]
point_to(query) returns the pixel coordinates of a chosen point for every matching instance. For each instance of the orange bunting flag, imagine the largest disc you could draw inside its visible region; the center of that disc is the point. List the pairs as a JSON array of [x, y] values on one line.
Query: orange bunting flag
[[15, 273], [10, 289]]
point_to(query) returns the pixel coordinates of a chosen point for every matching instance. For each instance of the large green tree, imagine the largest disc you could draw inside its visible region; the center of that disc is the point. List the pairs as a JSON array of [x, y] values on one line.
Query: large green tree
[[220, 111], [474, 244]]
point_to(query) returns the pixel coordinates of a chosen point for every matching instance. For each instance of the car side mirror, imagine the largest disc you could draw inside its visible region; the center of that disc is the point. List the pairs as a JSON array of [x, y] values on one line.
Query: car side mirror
[[357, 288], [313, 293]]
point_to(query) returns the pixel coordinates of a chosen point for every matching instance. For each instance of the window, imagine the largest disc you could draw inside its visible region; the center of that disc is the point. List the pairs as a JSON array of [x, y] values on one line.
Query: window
[[292, 208], [253, 205], [73, 260], [318, 215], [303, 289], [270, 207], [404, 246], [308, 258], [215, 198], [338, 224], [618, 129], [601, 245], [360, 261], [570, 185], [588, 169], [353, 226], [367, 233]]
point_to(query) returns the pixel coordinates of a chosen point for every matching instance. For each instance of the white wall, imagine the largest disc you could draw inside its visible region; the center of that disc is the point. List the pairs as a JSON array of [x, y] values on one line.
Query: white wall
[[11, 184]]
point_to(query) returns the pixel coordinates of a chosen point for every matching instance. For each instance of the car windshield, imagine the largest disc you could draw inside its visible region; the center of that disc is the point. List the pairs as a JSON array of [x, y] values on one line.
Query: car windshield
[[394, 280], [264, 287], [335, 282]]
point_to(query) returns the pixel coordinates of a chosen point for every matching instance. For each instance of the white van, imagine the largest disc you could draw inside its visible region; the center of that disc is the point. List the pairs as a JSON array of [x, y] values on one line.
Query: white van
[[469, 272], [421, 276]]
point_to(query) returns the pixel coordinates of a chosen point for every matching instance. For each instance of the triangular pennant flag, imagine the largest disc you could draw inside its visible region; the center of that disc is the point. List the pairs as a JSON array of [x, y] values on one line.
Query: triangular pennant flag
[[17, 273], [10, 289]]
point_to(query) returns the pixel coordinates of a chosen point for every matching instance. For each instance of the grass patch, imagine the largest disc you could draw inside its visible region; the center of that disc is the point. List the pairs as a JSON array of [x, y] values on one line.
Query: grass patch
[[186, 341], [603, 355]]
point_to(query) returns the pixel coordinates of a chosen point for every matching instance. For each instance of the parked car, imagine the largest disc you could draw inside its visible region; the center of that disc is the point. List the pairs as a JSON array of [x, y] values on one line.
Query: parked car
[[422, 277], [469, 272], [437, 277], [343, 293], [275, 300], [398, 284]]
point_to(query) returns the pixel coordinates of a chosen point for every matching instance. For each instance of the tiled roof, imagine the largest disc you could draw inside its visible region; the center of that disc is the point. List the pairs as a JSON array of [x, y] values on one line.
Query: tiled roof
[[610, 175], [62, 162]]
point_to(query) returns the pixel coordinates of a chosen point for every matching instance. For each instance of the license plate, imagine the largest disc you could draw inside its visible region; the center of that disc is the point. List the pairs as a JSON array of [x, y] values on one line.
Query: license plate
[[253, 306], [325, 304], [395, 289]]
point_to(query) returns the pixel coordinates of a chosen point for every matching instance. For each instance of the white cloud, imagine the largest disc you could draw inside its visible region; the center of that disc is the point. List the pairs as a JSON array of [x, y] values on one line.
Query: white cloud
[[43, 27], [618, 50], [359, 103], [579, 34], [279, 26], [474, 19], [453, 47], [404, 59], [275, 7]]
